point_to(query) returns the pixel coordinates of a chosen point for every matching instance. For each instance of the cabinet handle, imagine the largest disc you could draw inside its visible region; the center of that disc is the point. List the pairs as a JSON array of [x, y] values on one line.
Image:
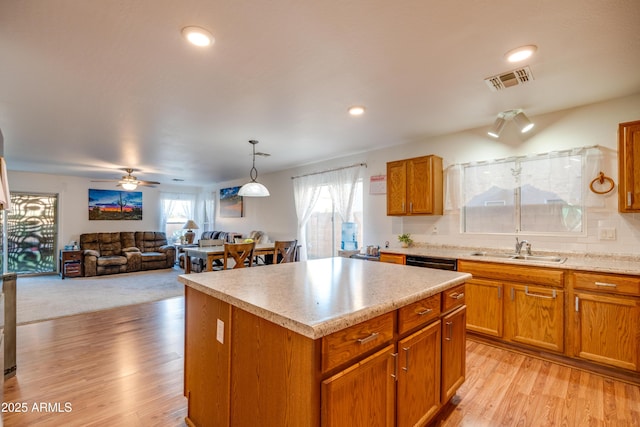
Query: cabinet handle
[[406, 359], [529, 294], [410, 206], [513, 295], [426, 311], [499, 292], [456, 295], [402, 206], [449, 330], [606, 285], [577, 305], [395, 366], [370, 338], [629, 199]]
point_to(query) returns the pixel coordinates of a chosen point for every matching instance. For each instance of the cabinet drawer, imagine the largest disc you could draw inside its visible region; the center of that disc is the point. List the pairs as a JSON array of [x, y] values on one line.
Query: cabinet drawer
[[419, 313], [607, 283], [513, 273], [453, 298], [72, 256], [392, 258], [347, 344]]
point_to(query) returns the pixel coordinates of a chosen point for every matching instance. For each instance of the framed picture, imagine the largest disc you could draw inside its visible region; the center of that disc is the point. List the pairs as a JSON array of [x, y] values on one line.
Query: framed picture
[[231, 205], [115, 205]]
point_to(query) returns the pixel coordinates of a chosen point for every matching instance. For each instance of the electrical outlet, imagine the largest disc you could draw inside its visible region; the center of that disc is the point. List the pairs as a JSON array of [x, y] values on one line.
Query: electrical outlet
[[434, 230], [220, 331], [607, 233]]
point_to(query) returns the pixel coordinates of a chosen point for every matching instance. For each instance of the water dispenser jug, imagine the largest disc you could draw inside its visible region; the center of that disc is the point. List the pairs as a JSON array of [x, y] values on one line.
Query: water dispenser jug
[[349, 236]]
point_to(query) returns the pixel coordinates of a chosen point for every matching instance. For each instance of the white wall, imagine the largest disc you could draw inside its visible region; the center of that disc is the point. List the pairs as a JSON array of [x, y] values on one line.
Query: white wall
[[594, 124], [73, 199]]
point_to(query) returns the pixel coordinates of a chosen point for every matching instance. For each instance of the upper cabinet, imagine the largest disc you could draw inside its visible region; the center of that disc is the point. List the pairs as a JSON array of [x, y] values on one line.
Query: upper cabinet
[[629, 162], [414, 186]]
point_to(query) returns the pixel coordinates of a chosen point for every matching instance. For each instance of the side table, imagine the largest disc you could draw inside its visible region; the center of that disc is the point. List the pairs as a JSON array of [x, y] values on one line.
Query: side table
[[70, 263]]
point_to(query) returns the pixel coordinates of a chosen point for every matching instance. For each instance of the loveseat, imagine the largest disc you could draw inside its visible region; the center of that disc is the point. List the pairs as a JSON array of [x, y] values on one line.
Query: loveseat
[[125, 251]]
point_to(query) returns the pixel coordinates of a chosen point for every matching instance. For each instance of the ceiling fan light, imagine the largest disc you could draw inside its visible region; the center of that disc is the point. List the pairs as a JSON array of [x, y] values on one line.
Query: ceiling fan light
[[253, 189], [129, 186], [497, 127], [523, 122]]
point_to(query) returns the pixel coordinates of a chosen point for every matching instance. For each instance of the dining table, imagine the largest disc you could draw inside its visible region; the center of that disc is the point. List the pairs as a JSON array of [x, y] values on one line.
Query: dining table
[[213, 253]]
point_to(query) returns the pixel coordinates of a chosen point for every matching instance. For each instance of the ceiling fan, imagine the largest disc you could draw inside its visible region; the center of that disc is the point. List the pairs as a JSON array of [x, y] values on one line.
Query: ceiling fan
[[128, 181]]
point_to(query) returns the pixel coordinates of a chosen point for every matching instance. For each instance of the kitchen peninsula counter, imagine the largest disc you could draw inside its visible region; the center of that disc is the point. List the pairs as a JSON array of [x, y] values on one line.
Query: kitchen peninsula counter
[[281, 344]]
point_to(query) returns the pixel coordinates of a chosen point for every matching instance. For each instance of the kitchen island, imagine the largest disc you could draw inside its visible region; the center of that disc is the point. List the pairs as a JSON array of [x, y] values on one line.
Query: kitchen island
[[328, 342]]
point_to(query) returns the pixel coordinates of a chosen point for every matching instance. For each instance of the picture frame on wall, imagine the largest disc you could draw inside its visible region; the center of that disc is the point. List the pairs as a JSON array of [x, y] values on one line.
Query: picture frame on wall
[[231, 204], [115, 205]]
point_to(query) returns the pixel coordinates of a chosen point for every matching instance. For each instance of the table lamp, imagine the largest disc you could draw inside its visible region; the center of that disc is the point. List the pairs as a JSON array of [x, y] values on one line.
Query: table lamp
[[189, 235]]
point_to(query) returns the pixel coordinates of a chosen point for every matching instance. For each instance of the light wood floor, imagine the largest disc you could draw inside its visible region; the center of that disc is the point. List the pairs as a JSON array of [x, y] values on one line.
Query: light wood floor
[[123, 367]]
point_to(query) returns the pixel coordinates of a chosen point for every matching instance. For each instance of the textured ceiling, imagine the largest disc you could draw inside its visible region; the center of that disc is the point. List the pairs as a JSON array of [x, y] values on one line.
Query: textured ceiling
[[88, 87]]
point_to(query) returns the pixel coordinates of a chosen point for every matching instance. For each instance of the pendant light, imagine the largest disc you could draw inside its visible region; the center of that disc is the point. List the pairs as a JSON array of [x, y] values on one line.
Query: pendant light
[[253, 188]]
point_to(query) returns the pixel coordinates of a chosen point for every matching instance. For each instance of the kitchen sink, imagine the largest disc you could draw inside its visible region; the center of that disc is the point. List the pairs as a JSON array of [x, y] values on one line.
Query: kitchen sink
[[522, 257]]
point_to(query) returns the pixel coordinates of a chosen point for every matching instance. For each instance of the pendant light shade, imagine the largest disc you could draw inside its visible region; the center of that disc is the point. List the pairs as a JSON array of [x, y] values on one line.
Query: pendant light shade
[[253, 188]]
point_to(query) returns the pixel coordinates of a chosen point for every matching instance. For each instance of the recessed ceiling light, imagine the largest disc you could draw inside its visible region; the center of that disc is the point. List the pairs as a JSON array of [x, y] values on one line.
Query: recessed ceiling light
[[356, 110], [521, 53], [198, 36]]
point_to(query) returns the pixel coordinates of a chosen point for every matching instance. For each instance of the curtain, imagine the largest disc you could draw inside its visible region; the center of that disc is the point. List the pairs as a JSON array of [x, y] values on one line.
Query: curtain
[[306, 190], [342, 187], [171, 202]]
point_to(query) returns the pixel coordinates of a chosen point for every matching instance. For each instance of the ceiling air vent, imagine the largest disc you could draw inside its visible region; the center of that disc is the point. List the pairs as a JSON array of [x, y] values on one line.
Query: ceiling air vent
[[512, 78]]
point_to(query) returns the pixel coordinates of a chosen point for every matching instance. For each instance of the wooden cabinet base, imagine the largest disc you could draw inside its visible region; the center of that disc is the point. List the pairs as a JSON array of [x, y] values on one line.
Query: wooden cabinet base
[[241, 369]]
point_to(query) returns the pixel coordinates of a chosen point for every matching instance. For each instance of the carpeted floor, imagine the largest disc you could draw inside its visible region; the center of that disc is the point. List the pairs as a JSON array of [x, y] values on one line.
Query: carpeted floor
[[47, 297]]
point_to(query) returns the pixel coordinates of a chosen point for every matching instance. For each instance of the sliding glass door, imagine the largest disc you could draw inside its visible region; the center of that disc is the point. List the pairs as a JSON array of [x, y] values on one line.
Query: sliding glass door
[[32, 229]]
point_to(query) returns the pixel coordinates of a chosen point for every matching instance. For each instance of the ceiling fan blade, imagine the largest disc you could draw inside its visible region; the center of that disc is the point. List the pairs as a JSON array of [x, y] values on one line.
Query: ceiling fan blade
[[105, 180], [148, 183]]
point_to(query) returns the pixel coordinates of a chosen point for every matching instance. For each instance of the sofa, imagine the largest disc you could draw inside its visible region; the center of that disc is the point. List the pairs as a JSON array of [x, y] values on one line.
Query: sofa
[[125, 252]]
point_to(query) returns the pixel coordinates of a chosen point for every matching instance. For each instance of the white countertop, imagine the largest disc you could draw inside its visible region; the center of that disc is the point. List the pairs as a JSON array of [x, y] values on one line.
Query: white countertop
[[603, 263], [318, 297]]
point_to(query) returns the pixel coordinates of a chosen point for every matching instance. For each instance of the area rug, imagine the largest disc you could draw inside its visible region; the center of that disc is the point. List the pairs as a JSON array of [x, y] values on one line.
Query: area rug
[[48, 297]]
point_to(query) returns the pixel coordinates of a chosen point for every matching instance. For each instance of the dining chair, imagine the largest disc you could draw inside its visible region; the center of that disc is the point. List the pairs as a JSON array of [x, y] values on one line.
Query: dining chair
[[284, 251], [242, 254]]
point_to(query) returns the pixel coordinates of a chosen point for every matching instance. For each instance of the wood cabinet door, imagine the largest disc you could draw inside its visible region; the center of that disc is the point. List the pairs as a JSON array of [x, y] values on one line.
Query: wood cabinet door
[[419, 186], [419, 376], [372, 403], [484, 306], [629, 167], [453, 353], [534, 315], [397, 188], [606, 329]]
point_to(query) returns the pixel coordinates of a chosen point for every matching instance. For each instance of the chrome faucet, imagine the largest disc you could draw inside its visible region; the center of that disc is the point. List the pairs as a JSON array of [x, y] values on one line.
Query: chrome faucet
[[519, 245]]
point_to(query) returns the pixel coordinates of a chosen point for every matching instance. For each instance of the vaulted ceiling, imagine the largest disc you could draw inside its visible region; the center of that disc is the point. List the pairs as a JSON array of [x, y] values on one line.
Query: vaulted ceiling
[[89, 87]]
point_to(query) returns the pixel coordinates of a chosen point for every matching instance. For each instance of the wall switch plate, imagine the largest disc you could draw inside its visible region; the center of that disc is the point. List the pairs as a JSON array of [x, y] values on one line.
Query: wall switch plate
[[607, 233]]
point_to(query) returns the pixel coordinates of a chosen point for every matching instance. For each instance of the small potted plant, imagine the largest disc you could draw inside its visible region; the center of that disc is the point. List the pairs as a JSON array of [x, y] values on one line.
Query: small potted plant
[[405, 240]]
